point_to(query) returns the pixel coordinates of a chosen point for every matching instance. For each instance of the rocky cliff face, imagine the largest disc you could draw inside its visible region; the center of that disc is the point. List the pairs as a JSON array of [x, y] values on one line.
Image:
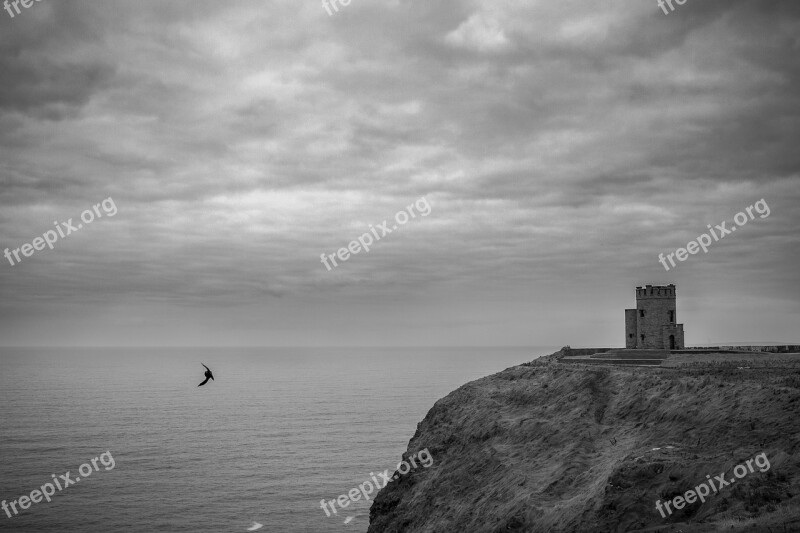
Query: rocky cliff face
[[549, 446]]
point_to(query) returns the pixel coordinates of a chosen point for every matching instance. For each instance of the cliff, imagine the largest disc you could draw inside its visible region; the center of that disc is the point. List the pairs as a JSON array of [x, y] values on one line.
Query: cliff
[[551, 446]]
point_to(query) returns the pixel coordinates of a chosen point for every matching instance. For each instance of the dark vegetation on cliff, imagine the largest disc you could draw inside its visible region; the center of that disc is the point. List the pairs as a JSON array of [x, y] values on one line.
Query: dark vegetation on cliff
[[548, 446]]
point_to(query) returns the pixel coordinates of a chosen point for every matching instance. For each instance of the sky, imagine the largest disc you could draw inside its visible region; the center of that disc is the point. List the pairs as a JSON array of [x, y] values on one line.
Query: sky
[[558, 148]]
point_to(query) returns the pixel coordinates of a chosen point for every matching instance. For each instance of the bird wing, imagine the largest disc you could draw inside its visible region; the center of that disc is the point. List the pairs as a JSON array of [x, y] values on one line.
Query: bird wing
[[206, 367], [204, 382]]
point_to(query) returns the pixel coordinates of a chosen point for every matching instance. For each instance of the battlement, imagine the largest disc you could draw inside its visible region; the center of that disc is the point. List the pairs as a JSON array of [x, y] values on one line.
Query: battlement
[[655, 291]]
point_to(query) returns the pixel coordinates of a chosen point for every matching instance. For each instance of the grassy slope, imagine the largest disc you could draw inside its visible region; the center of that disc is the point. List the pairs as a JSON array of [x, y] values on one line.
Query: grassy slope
[[530, 449]]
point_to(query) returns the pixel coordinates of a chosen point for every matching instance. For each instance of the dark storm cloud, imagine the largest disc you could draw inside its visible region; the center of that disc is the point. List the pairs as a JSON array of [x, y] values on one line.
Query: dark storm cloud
[[47, 90]]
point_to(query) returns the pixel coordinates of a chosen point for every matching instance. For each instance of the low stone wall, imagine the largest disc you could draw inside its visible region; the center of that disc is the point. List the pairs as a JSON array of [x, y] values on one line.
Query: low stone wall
[[566, 351], [786, 348], [590, 361]]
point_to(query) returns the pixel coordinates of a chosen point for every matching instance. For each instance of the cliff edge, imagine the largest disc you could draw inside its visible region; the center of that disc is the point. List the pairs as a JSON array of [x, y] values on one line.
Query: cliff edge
[[551, 446]]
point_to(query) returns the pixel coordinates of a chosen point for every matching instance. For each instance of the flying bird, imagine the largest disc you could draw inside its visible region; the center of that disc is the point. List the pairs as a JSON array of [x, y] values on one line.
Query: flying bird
[[255, 525], [209, 375]]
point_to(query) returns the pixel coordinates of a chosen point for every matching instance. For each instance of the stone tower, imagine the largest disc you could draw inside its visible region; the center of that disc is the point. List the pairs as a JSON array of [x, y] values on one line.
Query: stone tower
[[652, 325]]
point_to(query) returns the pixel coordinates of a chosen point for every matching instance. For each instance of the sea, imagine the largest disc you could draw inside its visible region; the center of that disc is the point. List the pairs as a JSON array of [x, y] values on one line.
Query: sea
[[275, 432]]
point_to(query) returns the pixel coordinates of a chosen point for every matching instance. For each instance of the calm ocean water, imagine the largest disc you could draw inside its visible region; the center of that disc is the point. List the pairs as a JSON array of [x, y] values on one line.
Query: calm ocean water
[[278, 430]]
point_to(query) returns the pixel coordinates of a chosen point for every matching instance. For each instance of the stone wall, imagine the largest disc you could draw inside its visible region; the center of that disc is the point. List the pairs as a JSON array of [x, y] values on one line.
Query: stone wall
[[786, 348], [630, 328], [675, 330], [653, 307]]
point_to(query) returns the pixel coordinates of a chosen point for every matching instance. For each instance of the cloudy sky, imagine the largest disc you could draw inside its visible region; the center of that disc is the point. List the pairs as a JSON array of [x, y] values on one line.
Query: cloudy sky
[[561, 145]]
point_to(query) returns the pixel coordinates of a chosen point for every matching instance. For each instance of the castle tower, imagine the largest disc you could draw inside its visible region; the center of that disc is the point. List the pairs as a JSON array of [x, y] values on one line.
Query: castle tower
[[653, 324]]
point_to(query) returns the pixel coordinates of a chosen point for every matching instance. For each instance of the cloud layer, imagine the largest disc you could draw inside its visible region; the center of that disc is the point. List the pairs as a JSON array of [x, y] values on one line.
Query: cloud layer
[[561, 145]]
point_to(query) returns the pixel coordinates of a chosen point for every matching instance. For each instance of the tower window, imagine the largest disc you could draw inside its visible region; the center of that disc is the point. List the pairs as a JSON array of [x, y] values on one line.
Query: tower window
[[630, 336], [672, 316], [642, 338], [641, 312]]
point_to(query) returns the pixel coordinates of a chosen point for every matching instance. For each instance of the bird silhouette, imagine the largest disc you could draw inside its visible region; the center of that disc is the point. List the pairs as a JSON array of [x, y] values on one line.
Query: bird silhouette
[[209, 375]]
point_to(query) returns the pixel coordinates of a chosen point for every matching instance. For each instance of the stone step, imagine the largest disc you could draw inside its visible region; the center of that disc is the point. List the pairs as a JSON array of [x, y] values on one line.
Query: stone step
[[633, 354], [602, 361]]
